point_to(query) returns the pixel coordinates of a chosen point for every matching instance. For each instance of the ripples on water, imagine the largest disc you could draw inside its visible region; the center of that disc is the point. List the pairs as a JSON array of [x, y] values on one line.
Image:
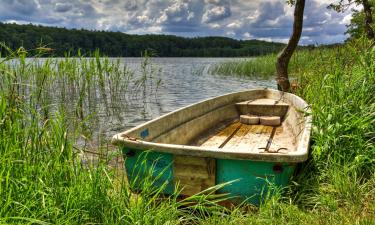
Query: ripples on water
[[184, 81], [126, 99]]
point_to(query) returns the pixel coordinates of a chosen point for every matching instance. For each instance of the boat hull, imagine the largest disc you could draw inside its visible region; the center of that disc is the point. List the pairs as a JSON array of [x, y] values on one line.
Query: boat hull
[[253, 180]]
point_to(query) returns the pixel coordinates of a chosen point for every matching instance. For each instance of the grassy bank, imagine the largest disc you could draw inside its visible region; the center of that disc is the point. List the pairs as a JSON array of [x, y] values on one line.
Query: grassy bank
[[43, 179], [301, 61], [337, 183]]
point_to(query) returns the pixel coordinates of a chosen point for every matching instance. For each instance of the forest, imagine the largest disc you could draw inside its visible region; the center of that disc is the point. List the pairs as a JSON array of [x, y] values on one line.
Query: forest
[[61, 41]]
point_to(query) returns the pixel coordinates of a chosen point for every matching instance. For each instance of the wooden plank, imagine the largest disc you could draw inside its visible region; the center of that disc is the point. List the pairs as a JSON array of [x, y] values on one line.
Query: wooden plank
[[260, 138], [192, 182], [237, 138], [263, 107], [270, 120], [190, 190], [249, 119], [191, 171], [230, 136], [219, 138], [283, 138], [194, 174], [249, 138], [197, 161]]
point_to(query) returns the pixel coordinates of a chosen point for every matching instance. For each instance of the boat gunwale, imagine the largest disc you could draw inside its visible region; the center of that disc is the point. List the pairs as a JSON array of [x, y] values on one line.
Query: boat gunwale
[[299, 155]]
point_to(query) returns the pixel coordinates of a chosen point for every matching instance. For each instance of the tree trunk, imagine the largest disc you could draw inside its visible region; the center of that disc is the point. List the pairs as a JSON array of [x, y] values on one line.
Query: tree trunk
[[284, 56], [368, 19]]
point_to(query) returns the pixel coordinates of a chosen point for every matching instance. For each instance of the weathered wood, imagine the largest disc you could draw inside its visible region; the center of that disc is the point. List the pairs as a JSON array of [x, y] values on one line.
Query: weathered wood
[[236, 140], [249, 119], [259, 139], [187, 170], [194, 174], [270, 120], [231, 135], [263, 107], [218, 139], [282, 141], [251, 138], [194, 161]]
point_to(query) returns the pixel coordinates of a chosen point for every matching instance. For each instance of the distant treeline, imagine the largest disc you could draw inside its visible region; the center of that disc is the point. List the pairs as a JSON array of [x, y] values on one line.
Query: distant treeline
[[63, 40]]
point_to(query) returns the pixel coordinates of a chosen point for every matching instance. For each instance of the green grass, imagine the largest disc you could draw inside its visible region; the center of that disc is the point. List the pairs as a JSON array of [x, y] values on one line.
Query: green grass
[[44, 181], [264, 66], [259, 67]]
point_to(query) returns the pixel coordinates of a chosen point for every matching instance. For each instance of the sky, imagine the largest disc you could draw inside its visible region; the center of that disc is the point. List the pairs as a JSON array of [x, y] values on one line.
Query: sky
[[269, 20]]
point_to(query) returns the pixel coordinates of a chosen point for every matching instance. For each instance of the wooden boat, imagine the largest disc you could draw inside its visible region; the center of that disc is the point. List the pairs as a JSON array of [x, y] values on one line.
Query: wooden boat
[[205, 144]]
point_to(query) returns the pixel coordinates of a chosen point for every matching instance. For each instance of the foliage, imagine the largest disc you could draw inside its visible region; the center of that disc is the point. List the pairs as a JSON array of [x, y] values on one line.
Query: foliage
[[62, 40], [356, 27], [362, 21], [343, 5]]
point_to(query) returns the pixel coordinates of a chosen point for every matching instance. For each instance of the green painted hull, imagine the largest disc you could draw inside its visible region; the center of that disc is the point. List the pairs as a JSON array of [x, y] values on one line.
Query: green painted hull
[[254, 178]]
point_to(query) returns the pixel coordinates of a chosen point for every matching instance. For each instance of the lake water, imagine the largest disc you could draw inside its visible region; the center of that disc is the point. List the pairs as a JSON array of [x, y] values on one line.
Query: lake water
[[182, 81], [155, 86]]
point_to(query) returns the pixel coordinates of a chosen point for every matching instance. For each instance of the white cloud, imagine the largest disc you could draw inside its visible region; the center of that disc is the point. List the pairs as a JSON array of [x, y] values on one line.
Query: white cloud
[[247, 35], [346, 19], [235, 24], [214, 25], [260, 19], [216, 10]]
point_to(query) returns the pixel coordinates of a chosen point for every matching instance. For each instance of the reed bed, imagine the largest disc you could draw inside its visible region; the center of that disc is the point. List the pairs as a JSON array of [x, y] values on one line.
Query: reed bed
[[263, 67], [259, 67], [44, 180]]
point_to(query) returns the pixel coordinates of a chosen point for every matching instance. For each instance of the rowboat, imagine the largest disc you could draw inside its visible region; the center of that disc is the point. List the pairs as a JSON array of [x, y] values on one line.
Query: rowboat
[[255, 138]]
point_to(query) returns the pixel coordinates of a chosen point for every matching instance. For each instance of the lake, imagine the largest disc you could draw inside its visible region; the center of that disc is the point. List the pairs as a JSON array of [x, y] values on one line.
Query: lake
[[183, 81], [119, 99]]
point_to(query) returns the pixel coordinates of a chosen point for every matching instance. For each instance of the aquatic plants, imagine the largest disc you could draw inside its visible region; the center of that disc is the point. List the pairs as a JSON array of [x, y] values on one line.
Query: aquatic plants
[[264, 66]]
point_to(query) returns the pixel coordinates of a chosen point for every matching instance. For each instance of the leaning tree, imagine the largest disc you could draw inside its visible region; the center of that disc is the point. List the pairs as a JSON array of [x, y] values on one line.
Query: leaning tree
[[284, 56]]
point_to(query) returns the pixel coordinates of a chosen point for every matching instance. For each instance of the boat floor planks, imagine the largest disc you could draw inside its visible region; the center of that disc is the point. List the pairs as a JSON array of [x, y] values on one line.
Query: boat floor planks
[[219, 138], [251, 138], [283, 141]]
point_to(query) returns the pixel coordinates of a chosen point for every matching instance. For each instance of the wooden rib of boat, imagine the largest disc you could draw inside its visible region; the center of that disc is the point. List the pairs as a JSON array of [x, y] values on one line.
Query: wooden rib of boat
[[256, 137]]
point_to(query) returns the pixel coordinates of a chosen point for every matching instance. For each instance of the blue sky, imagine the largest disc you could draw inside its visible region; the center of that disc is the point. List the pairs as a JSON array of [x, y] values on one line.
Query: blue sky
[[240, 19]]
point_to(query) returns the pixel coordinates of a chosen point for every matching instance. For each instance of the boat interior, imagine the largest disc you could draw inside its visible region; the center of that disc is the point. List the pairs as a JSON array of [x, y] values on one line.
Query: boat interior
[[218, 124], [239, 135], [233, 134]]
